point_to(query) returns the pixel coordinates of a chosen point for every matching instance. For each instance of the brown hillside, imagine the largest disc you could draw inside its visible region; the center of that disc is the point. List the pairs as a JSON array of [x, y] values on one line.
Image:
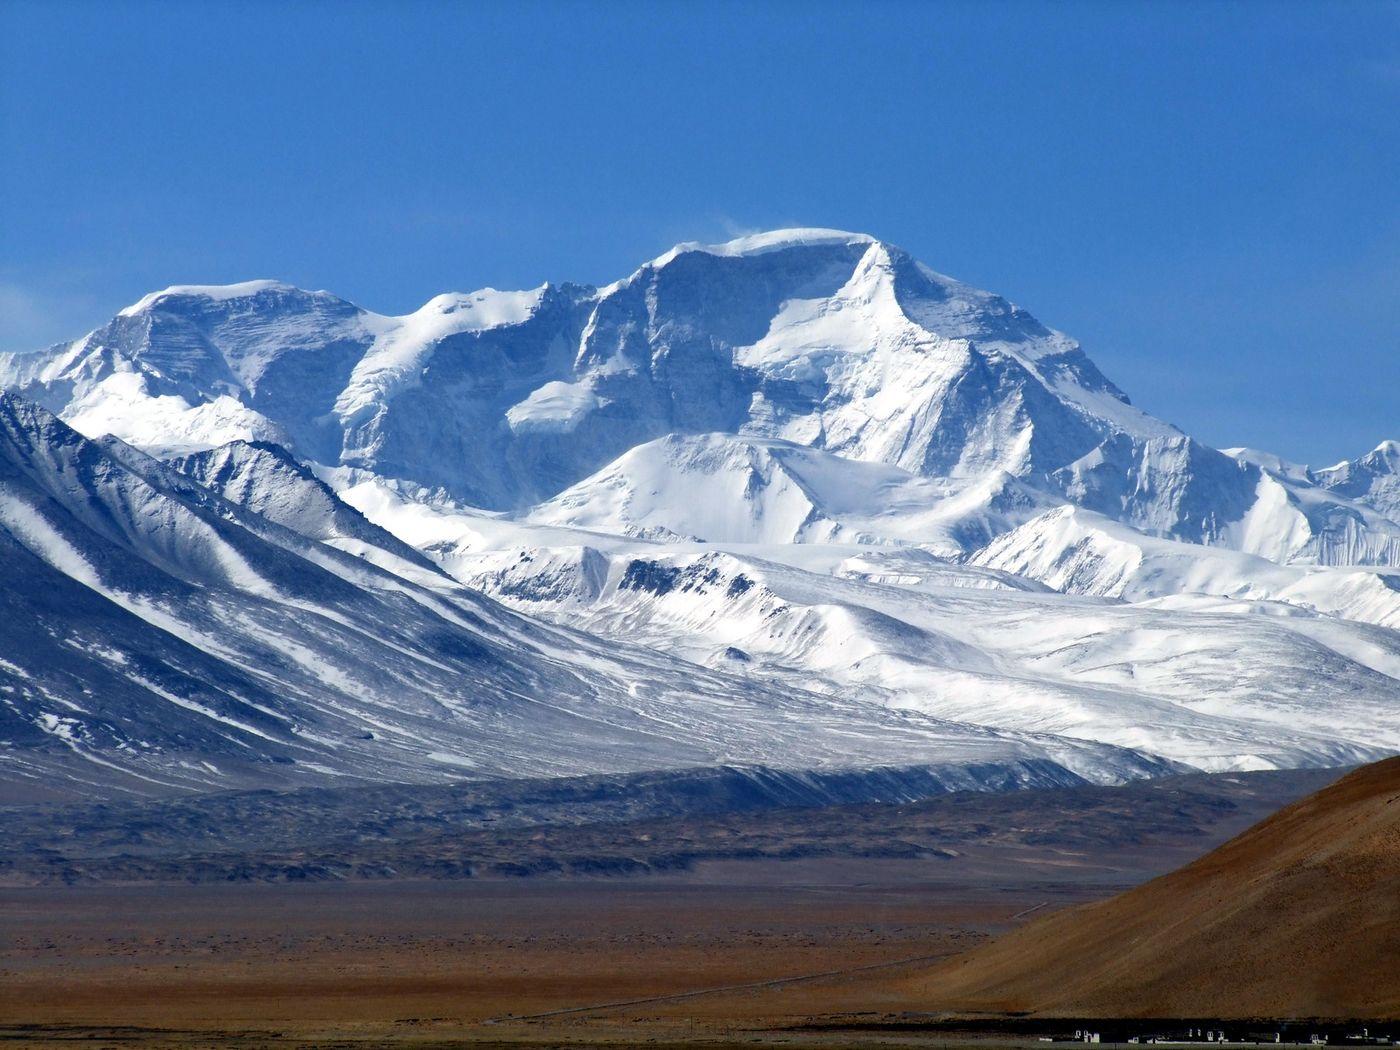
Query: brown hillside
[[1297, 917]]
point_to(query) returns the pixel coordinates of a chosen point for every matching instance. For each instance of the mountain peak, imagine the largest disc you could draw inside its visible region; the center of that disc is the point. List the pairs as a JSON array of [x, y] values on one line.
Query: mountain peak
[[769, 241], [483, 308], [505, 399], [214, 293]]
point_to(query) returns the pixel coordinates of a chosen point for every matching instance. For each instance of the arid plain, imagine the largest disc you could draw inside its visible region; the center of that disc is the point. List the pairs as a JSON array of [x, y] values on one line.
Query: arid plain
[[780, 925]]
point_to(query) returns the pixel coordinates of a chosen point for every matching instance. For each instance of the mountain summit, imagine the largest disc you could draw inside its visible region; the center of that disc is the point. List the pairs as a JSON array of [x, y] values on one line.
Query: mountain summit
[[832, 340]]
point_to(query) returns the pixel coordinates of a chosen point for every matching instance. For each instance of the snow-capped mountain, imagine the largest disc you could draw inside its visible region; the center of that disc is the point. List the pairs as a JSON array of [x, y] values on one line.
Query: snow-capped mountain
[[829, 340], [160, 637], [1373, 480], [799, 472]]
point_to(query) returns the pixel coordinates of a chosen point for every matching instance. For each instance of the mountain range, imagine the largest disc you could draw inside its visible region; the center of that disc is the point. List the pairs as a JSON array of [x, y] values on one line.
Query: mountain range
[[796, 501]]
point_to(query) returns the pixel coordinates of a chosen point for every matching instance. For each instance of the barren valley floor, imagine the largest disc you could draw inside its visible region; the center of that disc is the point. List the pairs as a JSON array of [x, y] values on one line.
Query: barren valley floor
[[728, 950], [448, 959]]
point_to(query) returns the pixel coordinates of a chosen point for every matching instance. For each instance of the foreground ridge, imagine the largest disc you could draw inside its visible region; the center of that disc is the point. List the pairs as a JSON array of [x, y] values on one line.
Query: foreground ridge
[[1297, 917]]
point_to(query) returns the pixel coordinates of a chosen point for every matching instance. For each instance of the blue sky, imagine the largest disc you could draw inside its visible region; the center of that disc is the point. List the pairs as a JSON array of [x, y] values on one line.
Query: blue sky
[[1204, 194]]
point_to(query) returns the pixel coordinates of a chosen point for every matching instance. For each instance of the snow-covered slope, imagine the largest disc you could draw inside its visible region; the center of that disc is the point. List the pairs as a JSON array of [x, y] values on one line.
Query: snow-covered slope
[[1212, 683], [735, 489], [268, 480], [159, 637], [1234, 668], [1079, 552]]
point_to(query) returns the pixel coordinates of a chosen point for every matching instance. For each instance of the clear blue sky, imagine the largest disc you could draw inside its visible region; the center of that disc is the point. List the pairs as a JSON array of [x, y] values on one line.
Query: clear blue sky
[[1204, 194]]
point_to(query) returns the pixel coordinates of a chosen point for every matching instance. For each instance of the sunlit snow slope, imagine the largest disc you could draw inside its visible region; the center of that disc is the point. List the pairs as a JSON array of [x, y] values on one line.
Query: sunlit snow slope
[[160, 637]]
